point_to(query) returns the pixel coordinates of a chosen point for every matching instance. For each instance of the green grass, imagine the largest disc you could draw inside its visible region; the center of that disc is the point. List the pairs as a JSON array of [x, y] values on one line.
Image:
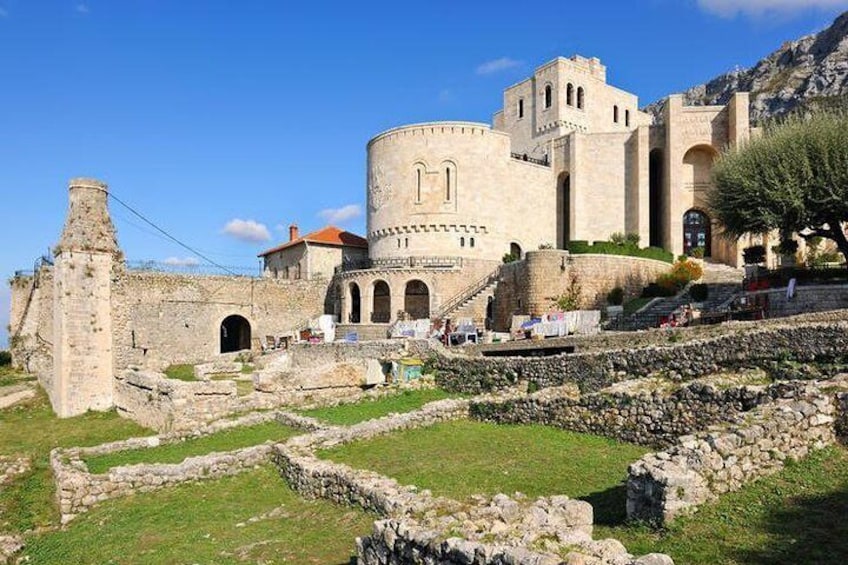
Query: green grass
[[227, 440], [199, 523], [181, 372], [405, 401], [795, 516], [31, 429], [458, 459], [9, 376]]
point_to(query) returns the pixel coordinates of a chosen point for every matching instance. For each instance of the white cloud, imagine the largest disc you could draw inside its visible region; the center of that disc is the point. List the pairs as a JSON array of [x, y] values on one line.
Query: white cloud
[[497, 65], [247, 230], [730, 8], [339, 215], [81, 8], [181, 261]]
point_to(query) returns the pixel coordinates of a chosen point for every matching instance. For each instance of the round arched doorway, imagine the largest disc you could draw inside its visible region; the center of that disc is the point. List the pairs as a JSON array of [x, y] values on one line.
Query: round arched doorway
[[235, 334], [355, 304], [697, 232], [416, 300], [381, 311]]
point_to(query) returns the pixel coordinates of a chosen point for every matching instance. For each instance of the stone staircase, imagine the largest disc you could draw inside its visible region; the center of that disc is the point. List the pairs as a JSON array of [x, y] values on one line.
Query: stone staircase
[[470, 302], [474, 306], [723, 282]]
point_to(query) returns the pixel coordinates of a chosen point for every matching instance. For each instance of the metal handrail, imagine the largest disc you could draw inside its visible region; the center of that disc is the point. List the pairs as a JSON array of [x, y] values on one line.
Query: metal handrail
[[525, 157], [467, 293]]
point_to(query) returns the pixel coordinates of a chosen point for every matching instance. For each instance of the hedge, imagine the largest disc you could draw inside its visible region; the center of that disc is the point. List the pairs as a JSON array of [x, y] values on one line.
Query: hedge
[[582, 247]]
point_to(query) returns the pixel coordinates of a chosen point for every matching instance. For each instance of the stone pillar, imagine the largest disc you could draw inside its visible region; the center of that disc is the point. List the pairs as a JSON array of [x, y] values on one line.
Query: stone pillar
[[82, 320]]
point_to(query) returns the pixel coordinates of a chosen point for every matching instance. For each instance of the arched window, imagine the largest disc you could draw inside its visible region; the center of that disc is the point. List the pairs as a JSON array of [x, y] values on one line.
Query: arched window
[[520, 108], [450, 180], [615, 114], [580, 98], [627, 118], [569, 94], [548, 96]]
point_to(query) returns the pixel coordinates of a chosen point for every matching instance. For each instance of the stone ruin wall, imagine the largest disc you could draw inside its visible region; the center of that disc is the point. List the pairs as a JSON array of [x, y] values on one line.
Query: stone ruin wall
[[31, 324], [162, 319], [691, 359], [529, 286]]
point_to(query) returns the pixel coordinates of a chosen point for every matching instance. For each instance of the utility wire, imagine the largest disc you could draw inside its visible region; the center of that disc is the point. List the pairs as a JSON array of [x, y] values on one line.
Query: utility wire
[[169, 236]]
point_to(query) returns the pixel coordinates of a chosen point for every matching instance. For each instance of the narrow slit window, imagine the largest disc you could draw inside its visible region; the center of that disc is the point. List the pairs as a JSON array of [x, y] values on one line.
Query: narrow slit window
[[406, 242], [462, 242], [418, 185], [615, 114], [627, 118], [471, 242], [580, 101], [569, 95], [447, 184], [548, 96], [520, 108]]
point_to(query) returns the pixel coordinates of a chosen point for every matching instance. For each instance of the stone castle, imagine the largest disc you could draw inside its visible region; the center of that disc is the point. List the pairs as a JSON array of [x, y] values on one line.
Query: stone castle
[[568, 158]]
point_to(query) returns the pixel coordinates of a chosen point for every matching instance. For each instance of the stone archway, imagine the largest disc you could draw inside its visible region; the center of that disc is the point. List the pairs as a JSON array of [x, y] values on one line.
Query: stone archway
[[697, 232], [235, 334], [381, 312], [416, 300], [355, 316], [515, 251]]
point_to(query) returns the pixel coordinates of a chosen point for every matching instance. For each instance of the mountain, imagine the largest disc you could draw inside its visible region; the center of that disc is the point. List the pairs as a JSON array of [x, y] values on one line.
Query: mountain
[[801, 71]]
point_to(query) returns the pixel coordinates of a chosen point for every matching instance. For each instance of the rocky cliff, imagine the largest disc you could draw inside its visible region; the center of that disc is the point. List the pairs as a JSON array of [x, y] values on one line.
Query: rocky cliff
[[809, 68]]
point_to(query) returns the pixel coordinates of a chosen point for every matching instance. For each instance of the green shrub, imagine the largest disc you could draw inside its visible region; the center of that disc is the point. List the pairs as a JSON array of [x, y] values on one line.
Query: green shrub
[[654, 290], [697, 252], [509, 258], [580, 247], [616, 296], [788, 247], [5, 358], [699, 292]]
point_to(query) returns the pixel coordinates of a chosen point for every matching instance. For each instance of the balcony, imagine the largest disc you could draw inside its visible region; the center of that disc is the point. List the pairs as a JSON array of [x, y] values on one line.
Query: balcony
[[525, 157]]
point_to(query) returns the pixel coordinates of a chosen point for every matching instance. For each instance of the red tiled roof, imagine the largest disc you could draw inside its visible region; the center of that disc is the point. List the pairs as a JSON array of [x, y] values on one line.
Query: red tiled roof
[[330, 235]]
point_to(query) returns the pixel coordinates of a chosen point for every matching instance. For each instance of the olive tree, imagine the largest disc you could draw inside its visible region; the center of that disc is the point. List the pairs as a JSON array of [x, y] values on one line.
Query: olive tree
[[793, 178]]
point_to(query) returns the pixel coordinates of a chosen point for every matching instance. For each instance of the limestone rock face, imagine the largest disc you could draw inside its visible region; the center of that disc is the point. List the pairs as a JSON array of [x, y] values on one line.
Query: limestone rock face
[[814, 66]]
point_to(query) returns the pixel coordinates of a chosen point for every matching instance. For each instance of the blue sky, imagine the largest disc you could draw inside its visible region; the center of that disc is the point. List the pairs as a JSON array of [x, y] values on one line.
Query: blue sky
[[223, 122]]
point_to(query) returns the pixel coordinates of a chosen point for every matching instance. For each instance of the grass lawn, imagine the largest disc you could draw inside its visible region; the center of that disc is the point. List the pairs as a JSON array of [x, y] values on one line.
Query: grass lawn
[[181, 372], [795, 516], [30, 429], [208, 522], [461, 458], [226, 440], [405, 401]]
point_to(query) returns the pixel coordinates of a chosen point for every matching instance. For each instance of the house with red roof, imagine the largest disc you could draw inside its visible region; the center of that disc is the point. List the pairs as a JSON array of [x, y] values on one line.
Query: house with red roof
[[314, 255]]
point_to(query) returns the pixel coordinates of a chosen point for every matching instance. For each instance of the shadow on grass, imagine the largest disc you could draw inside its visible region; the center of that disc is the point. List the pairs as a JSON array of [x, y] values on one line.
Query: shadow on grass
[[810, 529], [610, 505]]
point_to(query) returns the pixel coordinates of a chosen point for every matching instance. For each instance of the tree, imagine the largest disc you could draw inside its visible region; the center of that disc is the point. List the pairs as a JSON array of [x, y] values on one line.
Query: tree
[[794, 179]]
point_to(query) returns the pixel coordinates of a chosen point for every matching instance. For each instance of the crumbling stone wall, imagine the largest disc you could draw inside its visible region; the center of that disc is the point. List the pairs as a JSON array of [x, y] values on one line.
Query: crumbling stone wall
[[655, 415], [699, 467], [596, 370], [77, 490]]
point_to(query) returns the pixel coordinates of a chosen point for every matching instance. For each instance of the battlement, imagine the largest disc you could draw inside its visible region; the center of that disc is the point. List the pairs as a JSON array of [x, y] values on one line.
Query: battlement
[[434, 128]]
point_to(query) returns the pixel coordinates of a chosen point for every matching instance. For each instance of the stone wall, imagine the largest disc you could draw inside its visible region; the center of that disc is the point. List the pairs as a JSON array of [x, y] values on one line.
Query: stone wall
[[699, 467], [643, 412], [31, 324], [815, 298], [77, 490], [161, 319], [307, 356], [596, 370], [530, 286]]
